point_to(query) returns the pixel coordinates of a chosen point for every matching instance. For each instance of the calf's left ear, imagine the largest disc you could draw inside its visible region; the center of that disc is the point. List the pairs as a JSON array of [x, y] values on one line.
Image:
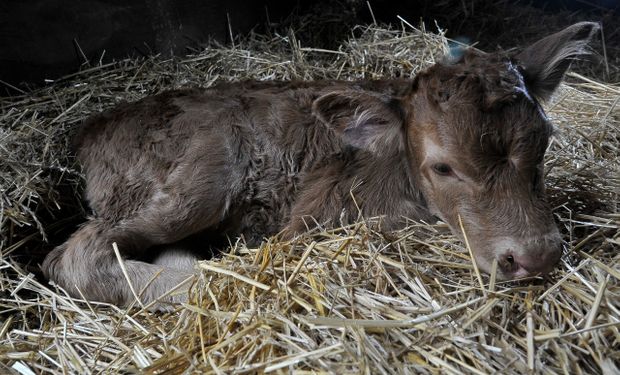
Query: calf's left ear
[[363, 120], [545, 62]]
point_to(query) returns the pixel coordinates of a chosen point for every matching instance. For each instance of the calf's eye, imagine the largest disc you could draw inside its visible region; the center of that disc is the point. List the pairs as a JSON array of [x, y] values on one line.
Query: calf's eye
[[442, 169]]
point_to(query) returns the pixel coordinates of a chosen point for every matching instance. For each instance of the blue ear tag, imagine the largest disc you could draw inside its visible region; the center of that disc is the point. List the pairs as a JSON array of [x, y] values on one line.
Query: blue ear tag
[[457, 47]]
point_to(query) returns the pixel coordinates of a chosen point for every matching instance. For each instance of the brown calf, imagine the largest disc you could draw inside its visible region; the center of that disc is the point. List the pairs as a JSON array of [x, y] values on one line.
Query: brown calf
[[463, 139]]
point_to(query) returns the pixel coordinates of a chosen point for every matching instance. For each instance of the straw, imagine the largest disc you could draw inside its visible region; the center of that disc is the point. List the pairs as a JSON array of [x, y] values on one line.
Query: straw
[[347, 300]]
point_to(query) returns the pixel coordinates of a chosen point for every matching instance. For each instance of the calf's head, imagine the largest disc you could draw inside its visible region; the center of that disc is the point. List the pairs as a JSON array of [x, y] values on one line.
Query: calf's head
[[475, 137]]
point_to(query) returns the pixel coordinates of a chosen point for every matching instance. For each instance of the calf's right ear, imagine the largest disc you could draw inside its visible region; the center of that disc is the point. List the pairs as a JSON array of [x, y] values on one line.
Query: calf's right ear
[[363, 120], [545, 62]]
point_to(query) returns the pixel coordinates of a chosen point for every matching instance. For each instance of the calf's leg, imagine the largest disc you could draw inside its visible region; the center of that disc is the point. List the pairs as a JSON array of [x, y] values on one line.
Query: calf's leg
[[86, 265]]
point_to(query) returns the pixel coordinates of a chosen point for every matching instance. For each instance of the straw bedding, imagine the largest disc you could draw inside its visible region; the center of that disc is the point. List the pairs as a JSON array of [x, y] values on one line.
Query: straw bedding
[[352, 300]]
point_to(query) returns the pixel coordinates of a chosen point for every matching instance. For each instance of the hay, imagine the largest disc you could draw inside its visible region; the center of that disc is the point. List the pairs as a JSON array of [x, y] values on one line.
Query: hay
[[351, 300]]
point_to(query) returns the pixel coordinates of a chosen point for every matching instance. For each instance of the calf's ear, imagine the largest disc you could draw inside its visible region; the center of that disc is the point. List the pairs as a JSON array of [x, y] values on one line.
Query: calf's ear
[[545, 62], [362, 119]]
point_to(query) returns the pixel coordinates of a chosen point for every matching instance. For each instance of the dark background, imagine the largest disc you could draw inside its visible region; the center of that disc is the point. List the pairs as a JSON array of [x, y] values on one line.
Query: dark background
[[46, 39]]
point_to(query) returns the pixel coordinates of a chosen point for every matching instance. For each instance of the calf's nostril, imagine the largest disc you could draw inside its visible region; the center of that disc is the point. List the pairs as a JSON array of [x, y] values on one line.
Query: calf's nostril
[[507, 263]]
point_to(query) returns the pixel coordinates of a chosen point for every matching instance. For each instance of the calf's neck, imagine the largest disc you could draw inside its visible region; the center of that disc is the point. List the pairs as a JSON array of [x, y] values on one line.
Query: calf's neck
[[463, 141]]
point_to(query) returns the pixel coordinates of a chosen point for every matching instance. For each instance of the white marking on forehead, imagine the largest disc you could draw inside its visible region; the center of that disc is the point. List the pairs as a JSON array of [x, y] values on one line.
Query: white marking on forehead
[[432, 150]]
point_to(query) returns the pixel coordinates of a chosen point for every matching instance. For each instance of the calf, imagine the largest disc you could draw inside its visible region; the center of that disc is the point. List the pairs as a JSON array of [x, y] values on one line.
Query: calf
[[463, 141]]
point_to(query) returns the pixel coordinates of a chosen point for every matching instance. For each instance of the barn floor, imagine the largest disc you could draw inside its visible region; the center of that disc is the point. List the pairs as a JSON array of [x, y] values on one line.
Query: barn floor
[[352, 300]]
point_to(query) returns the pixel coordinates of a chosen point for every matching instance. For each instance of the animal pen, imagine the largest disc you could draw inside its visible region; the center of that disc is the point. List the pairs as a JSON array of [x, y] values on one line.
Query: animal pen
[[346, 301]]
